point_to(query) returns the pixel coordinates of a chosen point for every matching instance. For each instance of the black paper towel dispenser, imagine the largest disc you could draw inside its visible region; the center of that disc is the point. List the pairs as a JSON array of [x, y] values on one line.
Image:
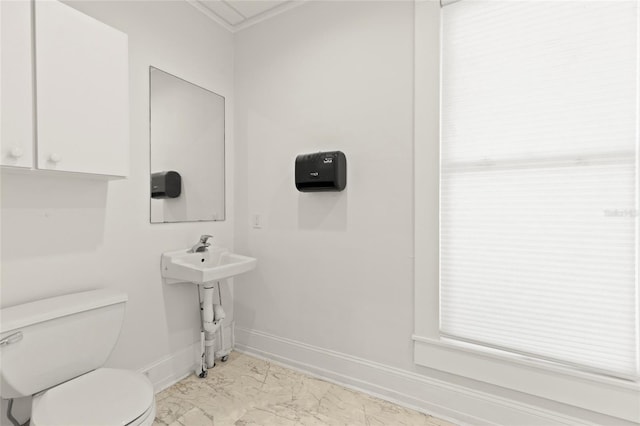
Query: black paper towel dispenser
[[166, 184], [321, 171]]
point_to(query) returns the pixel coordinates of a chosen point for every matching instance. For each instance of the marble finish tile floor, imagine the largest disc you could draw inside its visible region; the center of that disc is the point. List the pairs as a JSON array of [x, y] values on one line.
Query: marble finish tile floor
[[246, 391]]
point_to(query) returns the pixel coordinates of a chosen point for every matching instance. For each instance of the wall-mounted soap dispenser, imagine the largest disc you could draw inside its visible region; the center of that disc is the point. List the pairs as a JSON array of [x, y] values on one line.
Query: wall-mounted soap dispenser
[[166, 184], [321, 171]]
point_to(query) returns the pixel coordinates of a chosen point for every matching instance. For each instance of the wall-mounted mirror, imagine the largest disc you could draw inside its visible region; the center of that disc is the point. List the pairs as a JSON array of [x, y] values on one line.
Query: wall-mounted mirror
[[187, 150]]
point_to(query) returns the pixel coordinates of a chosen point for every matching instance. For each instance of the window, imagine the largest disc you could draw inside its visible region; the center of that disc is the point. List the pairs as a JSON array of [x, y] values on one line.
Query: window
[[538, 179], [538, 199]]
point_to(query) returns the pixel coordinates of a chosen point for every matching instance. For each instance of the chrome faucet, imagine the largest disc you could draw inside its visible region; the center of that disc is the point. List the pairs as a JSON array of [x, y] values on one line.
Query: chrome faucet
[[201, 245]]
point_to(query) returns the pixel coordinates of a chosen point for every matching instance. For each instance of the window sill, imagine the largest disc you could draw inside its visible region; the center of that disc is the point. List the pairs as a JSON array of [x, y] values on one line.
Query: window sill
[[614, 397]]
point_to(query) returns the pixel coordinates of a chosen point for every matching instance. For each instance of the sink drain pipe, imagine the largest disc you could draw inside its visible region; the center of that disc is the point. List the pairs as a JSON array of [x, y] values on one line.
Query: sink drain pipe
[[212, 317]]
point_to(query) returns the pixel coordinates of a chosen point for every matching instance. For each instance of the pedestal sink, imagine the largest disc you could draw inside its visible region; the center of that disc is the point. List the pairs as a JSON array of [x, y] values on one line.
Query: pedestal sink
[[214, 264], [206, 269]]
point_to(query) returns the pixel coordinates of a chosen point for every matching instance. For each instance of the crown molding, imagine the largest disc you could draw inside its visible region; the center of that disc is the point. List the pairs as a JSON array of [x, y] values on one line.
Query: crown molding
[[267, 14], [209, 14]]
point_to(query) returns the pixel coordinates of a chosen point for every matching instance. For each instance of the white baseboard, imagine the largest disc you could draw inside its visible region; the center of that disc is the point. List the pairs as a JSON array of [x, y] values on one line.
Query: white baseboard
[[172, 368], [441, 399]]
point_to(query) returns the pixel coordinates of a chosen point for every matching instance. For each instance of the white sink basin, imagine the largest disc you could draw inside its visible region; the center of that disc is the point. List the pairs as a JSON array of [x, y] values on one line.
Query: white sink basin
[[215, 264]]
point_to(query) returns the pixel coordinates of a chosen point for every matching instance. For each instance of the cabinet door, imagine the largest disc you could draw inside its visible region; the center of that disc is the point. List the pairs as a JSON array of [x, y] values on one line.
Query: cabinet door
[[82, 92], [16, 84]]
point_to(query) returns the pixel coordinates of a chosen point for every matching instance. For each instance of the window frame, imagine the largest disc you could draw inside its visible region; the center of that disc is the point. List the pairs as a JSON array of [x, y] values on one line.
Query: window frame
[[606, 395]]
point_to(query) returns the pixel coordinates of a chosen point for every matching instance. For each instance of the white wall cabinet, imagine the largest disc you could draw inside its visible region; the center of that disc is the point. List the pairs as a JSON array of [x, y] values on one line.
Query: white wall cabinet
[[82, 92], [81, 114], [16, 90]]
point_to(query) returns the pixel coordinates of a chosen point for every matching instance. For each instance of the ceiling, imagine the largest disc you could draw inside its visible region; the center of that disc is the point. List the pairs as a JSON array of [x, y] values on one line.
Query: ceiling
[[237, 14]]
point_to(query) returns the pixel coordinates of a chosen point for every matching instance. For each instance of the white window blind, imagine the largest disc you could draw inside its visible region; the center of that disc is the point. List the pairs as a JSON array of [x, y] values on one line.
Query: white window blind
[[539, 180]]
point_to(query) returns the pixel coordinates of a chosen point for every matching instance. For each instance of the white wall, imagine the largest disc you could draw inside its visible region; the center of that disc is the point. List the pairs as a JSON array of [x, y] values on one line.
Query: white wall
[[62, 234], [335, 269], [334, 289]]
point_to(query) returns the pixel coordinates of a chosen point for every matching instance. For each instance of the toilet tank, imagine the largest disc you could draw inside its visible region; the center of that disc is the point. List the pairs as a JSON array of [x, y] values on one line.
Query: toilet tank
[[61, 338]]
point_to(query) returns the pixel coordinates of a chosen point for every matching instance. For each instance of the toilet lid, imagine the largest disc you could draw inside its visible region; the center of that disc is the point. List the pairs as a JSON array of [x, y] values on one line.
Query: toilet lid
[[105, 396]]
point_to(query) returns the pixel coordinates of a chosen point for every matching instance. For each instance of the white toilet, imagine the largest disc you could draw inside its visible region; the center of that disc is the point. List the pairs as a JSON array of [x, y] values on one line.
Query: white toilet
[[54, 349]]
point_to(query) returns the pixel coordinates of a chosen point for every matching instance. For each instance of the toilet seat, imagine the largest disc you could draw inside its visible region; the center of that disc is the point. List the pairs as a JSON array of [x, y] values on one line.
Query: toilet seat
[[147, 418], [102, 397]]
